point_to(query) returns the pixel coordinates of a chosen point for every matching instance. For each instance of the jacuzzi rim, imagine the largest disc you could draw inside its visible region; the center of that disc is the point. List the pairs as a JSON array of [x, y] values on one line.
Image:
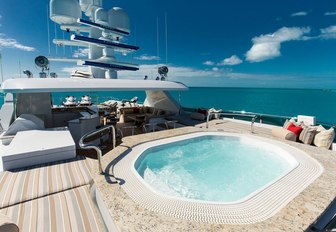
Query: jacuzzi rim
[[144, 147], [258, 208]]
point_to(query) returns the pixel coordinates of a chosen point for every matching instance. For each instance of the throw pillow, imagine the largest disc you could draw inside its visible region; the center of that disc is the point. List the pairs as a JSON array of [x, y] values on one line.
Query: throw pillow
[[288, 122], [324, 138], [307, 135], [295, 129]]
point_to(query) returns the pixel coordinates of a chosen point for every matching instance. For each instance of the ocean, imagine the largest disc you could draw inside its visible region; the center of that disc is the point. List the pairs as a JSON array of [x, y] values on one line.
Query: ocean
[[286, 102]]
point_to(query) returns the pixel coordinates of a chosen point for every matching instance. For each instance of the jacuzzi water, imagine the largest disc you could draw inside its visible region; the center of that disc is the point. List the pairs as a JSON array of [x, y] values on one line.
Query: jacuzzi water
[[213, 168]]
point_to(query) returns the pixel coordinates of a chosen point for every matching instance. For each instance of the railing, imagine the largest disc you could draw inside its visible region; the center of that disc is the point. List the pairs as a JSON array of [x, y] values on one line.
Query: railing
[[252, 116], [95, 99], [93, 135]]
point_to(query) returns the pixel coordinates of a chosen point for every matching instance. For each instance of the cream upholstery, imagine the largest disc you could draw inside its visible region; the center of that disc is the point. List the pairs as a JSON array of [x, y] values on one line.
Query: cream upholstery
[[53, 197], [24, 185], [307, 135], [70, 210], [324, 138], [283, 133]]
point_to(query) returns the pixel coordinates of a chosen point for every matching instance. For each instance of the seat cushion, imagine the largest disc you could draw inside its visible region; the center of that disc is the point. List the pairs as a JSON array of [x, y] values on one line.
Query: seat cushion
[[283, 133], [324, 138], [307, 135], [295, 129], [26, 184], [23, 123], [71, 210]]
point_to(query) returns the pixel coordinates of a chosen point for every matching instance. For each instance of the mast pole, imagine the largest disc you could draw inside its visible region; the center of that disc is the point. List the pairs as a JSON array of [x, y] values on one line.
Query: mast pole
[[1, 67], [166, 38]]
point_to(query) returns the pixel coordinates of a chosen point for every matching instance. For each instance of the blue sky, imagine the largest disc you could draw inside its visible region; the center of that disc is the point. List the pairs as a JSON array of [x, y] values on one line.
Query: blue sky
[[239, 43]]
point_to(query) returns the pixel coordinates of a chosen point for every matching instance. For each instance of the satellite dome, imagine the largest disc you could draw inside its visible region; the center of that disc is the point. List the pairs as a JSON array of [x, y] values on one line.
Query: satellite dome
[[101, 16], [84, 4], [65, 11], [42, 61], [119, 19], [163, 70]]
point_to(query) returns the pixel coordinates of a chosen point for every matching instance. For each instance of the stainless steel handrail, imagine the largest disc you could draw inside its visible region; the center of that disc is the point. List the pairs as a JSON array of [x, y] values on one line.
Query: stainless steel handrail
[[252, 116], [83, 145], [257, 114]]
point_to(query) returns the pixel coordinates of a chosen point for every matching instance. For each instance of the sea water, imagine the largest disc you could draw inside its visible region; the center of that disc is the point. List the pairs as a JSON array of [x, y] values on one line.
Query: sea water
[[287, 102]]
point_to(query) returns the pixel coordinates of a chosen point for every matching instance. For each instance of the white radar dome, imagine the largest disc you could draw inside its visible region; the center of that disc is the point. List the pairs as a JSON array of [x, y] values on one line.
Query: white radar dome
[[119, 19], [65, 11], [84, 4], [101, 16]]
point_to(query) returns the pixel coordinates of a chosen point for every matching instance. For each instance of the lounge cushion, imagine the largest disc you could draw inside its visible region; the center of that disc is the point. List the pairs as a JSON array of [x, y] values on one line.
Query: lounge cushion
[[282, 133], [27, 184], [23, 123], [307, 135], [7, 225], [324, 138], [71, 210]]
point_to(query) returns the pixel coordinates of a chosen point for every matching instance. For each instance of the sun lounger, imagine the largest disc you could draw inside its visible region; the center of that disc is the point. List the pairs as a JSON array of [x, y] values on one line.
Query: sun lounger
[[33, 147], [53, 197]]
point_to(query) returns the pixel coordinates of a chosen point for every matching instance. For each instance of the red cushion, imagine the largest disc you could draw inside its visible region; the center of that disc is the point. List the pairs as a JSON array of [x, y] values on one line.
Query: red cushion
[[295, 129]]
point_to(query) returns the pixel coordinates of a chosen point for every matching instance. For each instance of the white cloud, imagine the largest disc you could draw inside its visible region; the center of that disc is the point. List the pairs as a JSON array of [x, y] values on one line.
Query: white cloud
[[268, 46], [12, 43], [330, 13], [301, 13], [81, 52], [233, 60], [147, 57], [191, 76], [328, 33], [175, 72], [209, 63]]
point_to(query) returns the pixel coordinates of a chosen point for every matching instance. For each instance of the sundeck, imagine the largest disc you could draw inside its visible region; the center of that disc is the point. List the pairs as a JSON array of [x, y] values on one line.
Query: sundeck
[[54, 176]]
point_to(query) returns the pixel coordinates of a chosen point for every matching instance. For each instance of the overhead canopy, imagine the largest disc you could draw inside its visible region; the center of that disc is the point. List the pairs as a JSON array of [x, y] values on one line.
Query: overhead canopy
[[38, 85]]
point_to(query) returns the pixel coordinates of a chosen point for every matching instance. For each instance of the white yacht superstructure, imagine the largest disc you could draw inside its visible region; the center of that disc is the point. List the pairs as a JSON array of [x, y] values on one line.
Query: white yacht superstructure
[[49, 177], [39, 136]]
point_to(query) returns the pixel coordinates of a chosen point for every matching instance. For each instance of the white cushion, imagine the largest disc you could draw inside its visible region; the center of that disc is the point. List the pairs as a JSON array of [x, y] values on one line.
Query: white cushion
[[324, 138], [307, 135], [24, 123]]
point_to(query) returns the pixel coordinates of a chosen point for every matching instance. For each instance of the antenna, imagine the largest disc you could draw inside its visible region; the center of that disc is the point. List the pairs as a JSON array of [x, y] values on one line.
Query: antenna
[[157, 40], [63, 45], [1, 67], [48, 29], [20, 68], [166, 38], [55, 37]]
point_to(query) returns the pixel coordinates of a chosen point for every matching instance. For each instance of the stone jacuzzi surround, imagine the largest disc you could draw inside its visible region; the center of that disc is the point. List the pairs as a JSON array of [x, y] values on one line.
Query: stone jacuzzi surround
[[259, 207]]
